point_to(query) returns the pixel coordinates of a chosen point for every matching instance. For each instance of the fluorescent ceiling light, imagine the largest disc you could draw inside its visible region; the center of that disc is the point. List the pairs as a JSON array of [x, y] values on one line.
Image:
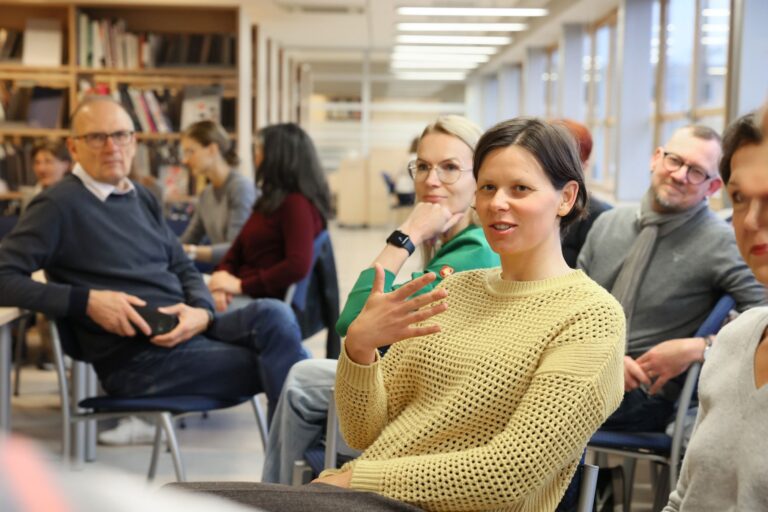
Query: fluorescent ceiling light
[[461, 27], [439, 57], [470, 11], [414, 39], [714, 27], [463, 50], [431, 76], [716, 13], [432, 65]]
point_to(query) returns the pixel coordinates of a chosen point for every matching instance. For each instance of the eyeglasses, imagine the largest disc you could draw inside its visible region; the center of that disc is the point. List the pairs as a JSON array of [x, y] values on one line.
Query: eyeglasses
[[694, 174], [447, 172], [96, 140]]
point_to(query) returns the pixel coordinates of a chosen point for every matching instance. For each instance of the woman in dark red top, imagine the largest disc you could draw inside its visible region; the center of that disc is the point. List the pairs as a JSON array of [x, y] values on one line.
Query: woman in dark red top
[[274, 248]]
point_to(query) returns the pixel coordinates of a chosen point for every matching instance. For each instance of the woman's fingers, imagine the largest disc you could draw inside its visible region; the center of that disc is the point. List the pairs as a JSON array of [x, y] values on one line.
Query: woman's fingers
[[413, 286], [427, 298], [378, 279]]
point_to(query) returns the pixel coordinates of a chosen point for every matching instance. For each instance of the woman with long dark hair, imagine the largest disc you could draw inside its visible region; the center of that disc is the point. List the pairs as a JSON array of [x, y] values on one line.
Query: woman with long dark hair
[[274, 248]]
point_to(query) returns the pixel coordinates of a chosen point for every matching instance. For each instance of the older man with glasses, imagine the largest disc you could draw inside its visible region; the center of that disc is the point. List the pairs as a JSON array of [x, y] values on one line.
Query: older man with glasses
[[667, 263], [114, 265]]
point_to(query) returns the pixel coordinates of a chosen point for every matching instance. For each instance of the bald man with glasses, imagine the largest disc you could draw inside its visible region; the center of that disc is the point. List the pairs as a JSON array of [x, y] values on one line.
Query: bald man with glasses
[[667, 263], [108, 253]]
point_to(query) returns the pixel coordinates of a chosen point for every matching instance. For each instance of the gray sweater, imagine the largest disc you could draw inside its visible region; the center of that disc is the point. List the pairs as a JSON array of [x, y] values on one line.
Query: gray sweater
[[690, 269], [221, 213], [726, 465]]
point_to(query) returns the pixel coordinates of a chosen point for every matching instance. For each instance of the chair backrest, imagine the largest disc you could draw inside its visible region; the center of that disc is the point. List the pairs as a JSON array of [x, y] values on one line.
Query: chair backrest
[[296, 296]]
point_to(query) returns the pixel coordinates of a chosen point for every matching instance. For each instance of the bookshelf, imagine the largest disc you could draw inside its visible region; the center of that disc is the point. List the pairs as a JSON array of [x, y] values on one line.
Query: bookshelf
[[156, 50]]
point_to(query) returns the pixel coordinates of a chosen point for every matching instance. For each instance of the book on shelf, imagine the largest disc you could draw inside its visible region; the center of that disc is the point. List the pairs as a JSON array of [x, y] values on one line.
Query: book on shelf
[[201, 102], [11, 44], [109, 44], [43, 42], [174, 179], [46, 108]]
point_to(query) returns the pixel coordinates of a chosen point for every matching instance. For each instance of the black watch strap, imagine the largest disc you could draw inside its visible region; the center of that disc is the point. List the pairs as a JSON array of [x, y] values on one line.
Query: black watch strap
[[401, 240]]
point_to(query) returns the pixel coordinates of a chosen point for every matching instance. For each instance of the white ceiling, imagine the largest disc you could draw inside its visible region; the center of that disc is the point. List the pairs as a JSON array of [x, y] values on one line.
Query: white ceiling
[[327, 33]]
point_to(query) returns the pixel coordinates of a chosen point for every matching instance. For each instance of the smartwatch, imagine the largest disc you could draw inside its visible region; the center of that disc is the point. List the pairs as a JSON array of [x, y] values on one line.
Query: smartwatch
[[401, 240]]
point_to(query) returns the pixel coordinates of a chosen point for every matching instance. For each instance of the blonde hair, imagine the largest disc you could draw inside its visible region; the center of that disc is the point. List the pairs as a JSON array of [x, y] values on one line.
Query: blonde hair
[[467, 132]]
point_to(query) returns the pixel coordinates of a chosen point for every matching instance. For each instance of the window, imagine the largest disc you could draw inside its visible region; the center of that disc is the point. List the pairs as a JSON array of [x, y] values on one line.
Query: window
[[692, 53]]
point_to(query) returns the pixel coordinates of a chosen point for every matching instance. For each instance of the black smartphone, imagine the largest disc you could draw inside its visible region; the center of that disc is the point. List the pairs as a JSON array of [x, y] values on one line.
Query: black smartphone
[[159, 323]]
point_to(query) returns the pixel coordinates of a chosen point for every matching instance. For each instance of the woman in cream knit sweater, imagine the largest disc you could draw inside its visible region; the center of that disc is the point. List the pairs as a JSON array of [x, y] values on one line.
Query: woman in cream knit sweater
[[488, 405], [497, 378]]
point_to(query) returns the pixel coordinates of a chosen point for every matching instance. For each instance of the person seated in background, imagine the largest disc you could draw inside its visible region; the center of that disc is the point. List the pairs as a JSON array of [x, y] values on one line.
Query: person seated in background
[[225, 203], [443, 226], [667, 263], [574, 238], [108, 252], [274, 248], [50, 163], [496, 379], [724, 466]]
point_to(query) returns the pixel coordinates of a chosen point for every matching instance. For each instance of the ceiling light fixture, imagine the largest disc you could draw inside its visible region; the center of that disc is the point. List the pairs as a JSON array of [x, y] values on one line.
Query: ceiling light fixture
[[439, 57], [471, 11], [461, 27], [399, 64], [462, 50], [416, 39], [431, 76]]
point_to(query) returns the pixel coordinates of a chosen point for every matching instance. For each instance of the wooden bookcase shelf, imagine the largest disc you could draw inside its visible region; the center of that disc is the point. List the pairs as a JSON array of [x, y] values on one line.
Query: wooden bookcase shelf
[[169, 20]]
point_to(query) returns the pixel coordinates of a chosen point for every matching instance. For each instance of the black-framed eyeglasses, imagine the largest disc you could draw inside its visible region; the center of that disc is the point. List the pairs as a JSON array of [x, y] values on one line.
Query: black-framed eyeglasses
[[447, 172], [96, 140], [695, 175]]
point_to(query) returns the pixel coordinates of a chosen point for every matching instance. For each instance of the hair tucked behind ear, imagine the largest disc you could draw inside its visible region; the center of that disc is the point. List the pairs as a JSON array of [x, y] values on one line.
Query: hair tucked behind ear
[[551, 145]]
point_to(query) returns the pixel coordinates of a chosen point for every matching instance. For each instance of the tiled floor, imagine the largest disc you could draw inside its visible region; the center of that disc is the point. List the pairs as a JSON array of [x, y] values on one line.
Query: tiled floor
[[226, 445]]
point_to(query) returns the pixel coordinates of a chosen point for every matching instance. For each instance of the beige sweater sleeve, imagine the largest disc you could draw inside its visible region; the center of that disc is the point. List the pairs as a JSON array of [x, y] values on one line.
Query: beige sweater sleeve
[[577, 385]]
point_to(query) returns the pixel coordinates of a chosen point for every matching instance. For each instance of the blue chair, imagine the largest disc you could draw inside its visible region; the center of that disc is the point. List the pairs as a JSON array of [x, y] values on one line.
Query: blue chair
[[657, 447], [315, 299], [162, 408]]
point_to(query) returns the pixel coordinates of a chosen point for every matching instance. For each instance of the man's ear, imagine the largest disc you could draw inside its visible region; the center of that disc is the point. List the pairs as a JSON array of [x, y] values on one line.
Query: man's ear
[[714, 185], [72, 148], [657, 156]]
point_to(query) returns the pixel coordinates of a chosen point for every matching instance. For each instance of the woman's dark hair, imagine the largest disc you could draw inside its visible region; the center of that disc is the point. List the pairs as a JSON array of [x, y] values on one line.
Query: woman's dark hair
[[56, 148], [290, 165], [207, 132], [742, 132], [551, 145]]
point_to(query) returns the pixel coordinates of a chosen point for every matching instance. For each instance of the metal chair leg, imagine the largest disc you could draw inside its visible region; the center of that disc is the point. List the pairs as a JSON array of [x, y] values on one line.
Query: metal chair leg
[[91, 387], [61, 376], [167, 422], [21, 341], [629, 482], [261, 420], [155, 452]]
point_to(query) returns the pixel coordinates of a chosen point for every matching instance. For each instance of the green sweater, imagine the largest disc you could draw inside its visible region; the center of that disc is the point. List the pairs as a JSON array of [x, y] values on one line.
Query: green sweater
[[468, 250]]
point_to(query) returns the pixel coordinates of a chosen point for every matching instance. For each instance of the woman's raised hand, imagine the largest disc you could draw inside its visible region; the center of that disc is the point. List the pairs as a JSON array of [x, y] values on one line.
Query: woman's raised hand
[[387, 318], [429, 220]]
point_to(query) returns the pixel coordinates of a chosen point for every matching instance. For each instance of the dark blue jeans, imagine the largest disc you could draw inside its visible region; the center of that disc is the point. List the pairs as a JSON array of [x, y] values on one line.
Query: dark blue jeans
[[244, 352], [640, 412]]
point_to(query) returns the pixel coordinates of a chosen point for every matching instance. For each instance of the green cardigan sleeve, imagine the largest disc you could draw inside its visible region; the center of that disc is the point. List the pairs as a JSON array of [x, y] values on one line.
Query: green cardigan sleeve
[[466, 251]]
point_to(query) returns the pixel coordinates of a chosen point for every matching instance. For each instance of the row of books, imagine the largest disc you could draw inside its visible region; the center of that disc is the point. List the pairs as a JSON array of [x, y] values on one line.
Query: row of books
[[36, 107], [11, 42], [104, 43]]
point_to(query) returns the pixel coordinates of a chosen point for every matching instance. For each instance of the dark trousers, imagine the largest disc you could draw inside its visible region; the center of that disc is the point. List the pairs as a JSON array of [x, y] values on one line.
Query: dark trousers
[[640, 412], [313, 497], [244, 352]]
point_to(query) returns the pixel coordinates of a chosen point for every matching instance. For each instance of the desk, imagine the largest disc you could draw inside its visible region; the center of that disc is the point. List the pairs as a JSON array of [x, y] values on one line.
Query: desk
[[7, 315]]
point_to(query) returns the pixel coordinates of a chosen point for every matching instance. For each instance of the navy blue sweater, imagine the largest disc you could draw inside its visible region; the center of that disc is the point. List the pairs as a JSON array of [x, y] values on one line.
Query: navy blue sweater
[[122, 244]]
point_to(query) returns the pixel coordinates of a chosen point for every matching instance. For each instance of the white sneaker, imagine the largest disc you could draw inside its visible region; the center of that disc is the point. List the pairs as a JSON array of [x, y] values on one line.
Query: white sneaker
[[131, 430]]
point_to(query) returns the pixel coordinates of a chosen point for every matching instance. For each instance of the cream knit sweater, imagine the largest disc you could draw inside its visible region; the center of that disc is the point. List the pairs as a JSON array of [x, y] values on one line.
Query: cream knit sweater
[[493, 412]]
